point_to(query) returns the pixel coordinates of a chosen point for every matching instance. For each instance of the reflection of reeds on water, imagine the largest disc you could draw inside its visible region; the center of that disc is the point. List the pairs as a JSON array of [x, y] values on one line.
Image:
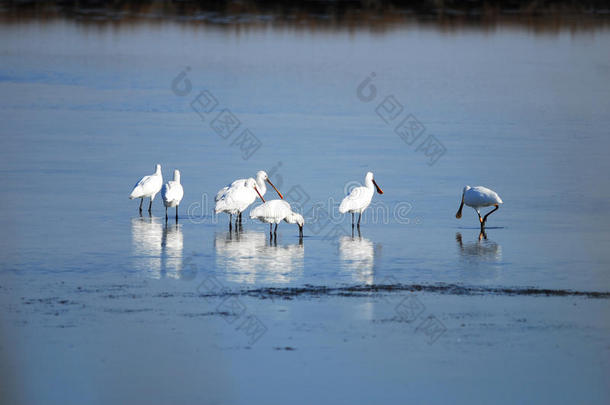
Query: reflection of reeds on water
[[324, 15]]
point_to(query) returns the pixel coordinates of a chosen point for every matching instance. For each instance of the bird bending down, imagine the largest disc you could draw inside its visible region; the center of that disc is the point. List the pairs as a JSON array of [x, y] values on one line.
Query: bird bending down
[[276, 211], [261, 178], [148, 187], [172, 193], [237, 198], [360, 198], [477, 198]]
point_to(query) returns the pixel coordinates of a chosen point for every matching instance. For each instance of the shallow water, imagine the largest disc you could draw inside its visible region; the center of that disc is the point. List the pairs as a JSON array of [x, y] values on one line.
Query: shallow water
[[86, 111]]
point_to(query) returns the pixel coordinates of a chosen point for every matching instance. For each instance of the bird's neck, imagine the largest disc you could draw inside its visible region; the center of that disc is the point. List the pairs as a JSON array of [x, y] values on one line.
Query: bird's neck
[[262, 188]]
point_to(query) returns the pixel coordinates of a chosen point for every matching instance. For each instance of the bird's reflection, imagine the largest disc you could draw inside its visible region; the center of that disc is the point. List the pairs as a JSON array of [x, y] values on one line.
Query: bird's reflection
[[172, 245], [157, 248], [250, 257], [146, 239], [480, 260], [482, 248], [358, 258]]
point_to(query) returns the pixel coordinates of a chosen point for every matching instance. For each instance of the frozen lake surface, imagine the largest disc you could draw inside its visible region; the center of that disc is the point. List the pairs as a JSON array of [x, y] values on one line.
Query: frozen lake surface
[[417, 308]]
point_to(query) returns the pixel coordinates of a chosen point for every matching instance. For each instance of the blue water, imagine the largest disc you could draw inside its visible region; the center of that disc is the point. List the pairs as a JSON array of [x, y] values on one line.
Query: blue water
[[88, 110]]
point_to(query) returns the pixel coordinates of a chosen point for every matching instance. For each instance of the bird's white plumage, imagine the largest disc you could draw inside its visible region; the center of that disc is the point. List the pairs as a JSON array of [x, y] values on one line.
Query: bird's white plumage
[[237, 196], [359, 198], [479, 197], [261, 176], [276, 211], [148, 186], [172, 191], [272, 211], [236, 199]]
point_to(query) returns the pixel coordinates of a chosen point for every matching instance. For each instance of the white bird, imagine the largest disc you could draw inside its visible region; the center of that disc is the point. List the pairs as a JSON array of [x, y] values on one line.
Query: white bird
[[237, 198], [477, 198], [172, 193], [276, 211], [148, 187], [360, 198], [261, 178]]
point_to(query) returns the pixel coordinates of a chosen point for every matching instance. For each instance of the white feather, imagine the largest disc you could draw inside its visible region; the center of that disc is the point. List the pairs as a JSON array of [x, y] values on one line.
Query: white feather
[[148, 186], [276, 211], [172, 191], [359, 198], [478, 197]]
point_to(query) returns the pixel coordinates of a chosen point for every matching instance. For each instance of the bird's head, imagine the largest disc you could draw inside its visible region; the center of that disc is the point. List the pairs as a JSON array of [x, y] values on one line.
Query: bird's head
[[295, 218], [371, 179], [261, 175]]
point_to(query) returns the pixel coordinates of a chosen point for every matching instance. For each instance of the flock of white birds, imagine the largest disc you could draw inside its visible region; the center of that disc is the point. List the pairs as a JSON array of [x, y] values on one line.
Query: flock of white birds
[[236, 197]]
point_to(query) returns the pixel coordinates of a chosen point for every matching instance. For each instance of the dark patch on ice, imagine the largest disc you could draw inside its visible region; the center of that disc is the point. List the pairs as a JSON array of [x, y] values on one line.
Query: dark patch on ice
[[127, 310], [212, 313], [287, 348], [448, 289]]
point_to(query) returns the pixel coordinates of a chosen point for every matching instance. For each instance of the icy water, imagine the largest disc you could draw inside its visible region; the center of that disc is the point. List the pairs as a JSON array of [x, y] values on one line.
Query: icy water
[[89, 284]]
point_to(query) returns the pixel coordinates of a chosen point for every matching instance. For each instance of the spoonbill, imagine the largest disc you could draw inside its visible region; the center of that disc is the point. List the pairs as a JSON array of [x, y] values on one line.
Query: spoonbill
[[172, 193], [148, 187], [276, 211], [360, 198], [261, 178], [237, 198], [477, 198]]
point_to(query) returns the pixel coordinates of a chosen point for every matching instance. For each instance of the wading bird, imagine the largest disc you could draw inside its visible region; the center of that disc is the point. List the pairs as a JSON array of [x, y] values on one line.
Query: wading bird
[[477, 198], [172, 193], [360, 198], [237, 198], [148, 187], [276, 211], [261, 178]]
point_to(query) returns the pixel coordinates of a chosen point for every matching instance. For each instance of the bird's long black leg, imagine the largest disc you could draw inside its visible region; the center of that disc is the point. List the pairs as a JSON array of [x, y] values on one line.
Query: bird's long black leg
[[141, 201], [488, 214], [275, 230], [230, 222], [165, 214], [271, 230], [480, 219], [150, 207], [352, 221], [359, 218], [176, 213]]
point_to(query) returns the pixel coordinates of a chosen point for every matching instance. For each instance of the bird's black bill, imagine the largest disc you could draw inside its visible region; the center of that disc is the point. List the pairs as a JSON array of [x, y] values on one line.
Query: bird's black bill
[[377, 187], [458, 214]]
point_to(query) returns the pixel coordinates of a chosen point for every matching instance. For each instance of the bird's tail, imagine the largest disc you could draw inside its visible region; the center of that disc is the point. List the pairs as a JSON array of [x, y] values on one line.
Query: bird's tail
[[344, 207]]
